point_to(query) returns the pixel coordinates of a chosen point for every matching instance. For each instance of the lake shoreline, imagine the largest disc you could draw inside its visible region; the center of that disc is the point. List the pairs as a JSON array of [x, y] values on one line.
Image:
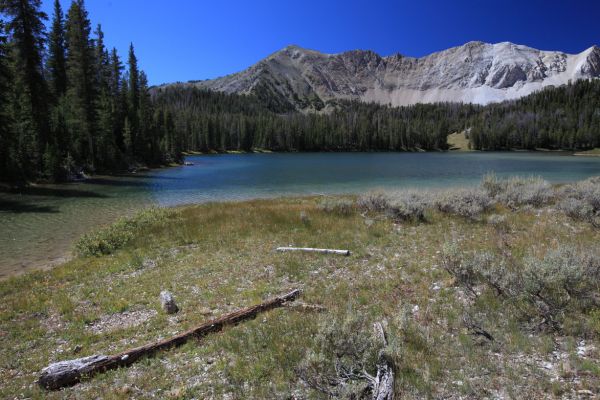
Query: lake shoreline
[[11, 186], [42, 221]]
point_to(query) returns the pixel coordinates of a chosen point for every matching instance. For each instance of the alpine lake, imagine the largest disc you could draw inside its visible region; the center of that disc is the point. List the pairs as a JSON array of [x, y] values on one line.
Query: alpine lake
[[39, 224]]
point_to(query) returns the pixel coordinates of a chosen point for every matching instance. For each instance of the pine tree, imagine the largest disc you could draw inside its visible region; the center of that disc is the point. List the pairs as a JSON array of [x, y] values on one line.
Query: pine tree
[[133, 96], [147, 144], [58, 146], [29, 100], [81, 94], [7, 143], [56, 53], [119, 98], [105, 143]]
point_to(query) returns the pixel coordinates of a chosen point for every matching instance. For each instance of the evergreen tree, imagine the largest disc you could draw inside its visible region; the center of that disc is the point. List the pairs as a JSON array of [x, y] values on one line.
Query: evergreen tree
[[58, 146], [105, 143], [81, 93], [133, 96], [29, 100], [119, 99], [147, 143], [7, 142], [56, 53]]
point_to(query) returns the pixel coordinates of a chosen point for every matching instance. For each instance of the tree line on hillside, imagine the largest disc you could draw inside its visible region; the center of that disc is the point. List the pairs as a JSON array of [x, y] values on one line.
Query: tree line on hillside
[[66, 103], [565, 117], [207, 120]]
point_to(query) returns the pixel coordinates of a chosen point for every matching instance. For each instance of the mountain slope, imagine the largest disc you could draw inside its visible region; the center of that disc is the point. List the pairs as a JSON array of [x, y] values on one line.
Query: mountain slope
[[477, 72]]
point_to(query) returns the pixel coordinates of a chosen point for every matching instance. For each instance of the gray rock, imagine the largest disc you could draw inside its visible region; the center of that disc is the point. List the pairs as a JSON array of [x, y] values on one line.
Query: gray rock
[[168, 302]]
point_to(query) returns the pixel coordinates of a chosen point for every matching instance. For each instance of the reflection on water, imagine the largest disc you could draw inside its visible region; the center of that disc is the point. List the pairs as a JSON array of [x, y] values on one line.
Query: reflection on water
[[38, 225]]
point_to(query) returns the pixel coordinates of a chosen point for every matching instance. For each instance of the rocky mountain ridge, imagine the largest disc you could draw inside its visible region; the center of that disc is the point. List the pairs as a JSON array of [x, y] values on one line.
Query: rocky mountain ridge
[[477, 72]]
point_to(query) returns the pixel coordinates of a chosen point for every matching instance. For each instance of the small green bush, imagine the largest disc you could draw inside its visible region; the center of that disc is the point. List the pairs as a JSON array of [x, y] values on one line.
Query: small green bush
[[113, 237]]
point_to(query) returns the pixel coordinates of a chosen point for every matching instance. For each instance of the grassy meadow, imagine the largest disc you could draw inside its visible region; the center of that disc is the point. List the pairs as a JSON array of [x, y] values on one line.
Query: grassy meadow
[[489, 292]]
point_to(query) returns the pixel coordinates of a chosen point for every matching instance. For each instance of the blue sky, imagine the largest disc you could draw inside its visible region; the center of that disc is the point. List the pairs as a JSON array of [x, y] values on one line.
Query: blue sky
[[180, 40]]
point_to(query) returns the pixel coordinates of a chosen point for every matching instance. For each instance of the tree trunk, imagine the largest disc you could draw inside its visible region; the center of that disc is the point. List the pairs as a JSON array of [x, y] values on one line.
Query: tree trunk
[[68, 373]]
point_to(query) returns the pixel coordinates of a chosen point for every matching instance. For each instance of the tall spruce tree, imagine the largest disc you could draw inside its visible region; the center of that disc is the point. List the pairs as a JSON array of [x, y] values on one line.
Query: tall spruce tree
[[106, 149], [133, 96], [58, 146], [81, 90], [7, 145], [56, 53], [147, 145], [119, 98], [29, 100]]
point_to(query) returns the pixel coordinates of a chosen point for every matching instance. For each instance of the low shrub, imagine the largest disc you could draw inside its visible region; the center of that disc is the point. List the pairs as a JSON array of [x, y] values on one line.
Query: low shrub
[[345, 349], [519, 191], [342, 207], [374, 201], [564, 282], [581, 201], [468, 203], [409, 205], [115, 236], [499, 222]]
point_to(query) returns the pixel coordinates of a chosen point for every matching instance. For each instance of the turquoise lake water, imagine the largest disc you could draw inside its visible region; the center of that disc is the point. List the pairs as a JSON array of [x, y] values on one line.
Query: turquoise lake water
[[39, 225]]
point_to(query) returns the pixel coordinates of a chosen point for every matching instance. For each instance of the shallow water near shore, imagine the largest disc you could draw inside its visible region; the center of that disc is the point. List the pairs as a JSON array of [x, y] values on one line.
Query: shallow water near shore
[[38, 225]]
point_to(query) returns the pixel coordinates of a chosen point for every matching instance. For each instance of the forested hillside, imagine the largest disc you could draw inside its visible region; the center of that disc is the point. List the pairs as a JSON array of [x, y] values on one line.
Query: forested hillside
[[566, 117], [207, 120], [67, 103]]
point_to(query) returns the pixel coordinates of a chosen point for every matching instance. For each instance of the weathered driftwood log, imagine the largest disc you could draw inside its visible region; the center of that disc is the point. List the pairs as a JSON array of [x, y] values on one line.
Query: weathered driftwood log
[[310, 249], [68, 373], [383, 382]]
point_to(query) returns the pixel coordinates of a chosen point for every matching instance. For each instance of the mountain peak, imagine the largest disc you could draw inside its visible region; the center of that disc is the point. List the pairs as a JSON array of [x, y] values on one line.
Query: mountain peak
[[476, 72]]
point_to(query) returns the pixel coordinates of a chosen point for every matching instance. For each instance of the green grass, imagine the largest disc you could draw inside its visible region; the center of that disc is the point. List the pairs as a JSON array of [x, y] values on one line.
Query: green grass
[[219, 257], [458, 141]]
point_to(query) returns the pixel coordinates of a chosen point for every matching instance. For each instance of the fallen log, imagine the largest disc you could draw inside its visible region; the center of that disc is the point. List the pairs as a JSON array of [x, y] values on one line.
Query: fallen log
[[310, 249], [68, 373], [383, 382]]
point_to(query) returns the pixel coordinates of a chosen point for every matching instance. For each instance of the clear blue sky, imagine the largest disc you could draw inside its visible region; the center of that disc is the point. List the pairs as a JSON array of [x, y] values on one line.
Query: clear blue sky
[[181, 40]]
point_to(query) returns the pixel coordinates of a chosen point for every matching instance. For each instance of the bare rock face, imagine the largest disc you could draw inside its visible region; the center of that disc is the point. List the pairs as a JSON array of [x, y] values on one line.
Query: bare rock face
[[476, 72], [168, 302]]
